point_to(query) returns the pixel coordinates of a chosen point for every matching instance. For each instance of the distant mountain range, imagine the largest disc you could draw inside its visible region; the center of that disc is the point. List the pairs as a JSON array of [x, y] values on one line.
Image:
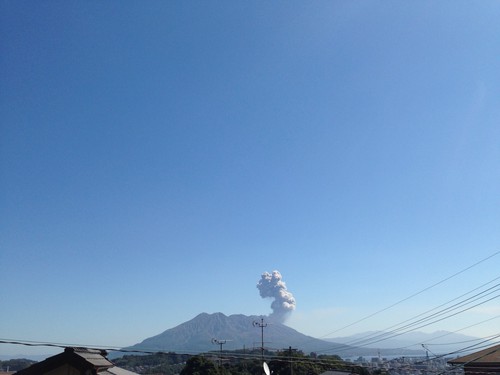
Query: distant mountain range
[[239, 332], [244, 332], [438, 342]]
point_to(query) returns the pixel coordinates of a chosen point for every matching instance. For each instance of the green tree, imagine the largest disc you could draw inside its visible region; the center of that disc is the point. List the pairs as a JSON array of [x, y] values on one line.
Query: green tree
[[294, 362], [198, 365]]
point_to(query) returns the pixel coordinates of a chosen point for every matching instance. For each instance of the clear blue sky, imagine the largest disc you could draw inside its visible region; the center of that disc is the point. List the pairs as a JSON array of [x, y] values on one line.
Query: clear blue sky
[[157, 157]]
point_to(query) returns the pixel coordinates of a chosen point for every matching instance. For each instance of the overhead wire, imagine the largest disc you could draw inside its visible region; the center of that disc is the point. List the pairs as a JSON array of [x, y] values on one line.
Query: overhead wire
[[452, 332], [145, 350], [379, 336], [276, 357], [412, 295], [426, 360], [422, 320], [452, 300], [96, 347], [141, 351], [405, 329], [370, 339], [476, 358]]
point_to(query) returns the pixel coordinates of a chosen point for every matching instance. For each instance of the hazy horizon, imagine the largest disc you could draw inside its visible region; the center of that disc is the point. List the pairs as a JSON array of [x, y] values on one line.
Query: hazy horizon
[[157, 158]]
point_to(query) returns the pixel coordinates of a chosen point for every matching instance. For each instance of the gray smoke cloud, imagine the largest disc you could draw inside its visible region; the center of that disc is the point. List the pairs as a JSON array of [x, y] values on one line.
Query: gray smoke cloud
[[272, 286]]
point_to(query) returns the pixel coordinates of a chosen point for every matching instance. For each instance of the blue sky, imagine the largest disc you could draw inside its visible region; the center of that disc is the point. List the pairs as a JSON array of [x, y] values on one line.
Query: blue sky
[[157, 157]]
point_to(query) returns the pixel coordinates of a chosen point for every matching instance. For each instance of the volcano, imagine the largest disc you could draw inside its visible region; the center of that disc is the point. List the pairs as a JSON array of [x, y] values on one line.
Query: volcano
[[239, 332]]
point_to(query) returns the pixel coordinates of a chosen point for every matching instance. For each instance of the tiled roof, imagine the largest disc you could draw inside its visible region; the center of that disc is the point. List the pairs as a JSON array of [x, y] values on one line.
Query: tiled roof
[[95, 357], [80, 358], [489, 356]]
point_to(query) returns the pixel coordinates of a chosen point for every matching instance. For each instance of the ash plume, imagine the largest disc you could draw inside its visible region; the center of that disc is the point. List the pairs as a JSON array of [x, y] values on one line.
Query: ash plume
[[272, 286]]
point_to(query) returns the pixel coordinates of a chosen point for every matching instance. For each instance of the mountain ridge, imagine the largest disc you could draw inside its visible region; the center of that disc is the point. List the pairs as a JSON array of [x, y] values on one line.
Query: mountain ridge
[[243, 332]]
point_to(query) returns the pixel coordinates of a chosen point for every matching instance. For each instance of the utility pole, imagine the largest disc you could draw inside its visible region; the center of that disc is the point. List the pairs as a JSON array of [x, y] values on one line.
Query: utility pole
[[291, 361], [427, 350], [261, 325], [220, 343]]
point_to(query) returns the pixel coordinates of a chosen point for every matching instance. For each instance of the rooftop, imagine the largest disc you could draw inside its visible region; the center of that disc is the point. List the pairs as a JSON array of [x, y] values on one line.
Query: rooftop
[[489, 355]]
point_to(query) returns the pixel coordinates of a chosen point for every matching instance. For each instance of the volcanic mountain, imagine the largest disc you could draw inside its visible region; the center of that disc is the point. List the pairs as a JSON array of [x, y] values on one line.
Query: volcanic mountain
[[238, 331]]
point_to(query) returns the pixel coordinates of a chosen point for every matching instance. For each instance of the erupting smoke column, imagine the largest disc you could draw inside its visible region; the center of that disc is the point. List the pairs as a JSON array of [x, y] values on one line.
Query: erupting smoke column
[[271, 285]]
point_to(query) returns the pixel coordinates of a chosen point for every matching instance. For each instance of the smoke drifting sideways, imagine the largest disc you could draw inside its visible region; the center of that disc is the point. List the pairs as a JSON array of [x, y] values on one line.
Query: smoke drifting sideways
[[272, 286]]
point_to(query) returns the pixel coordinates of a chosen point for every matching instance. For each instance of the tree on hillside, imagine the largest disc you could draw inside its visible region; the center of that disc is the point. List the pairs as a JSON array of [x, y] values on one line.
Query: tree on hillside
[[295, 362], [199, 365], [15, 364]]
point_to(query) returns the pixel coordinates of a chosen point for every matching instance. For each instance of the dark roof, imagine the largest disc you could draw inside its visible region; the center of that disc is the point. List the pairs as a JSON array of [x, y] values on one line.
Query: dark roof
[[96, 357], [80, 358], [489, 356]]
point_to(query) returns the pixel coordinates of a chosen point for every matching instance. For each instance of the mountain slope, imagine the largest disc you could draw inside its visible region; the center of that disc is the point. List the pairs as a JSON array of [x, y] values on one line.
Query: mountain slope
[[195, 336]]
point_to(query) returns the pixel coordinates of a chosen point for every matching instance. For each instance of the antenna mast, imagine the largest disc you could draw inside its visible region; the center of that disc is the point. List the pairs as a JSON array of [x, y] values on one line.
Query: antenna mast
[[261, 325], [220, 343]]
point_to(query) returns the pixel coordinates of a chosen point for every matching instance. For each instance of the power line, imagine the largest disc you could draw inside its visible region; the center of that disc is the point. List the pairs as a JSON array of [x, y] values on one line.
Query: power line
[[412, 295], [458, 330], [425, 321], [452, 300], [459, 342], [97, 347], [400, 328], [395, 333], [435, 315], [474, 359], [393, 330], [396, 330], [275, 358]]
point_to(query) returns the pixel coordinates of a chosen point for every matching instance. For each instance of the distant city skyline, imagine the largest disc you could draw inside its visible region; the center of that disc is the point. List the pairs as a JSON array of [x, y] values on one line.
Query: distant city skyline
[[156, 159]]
